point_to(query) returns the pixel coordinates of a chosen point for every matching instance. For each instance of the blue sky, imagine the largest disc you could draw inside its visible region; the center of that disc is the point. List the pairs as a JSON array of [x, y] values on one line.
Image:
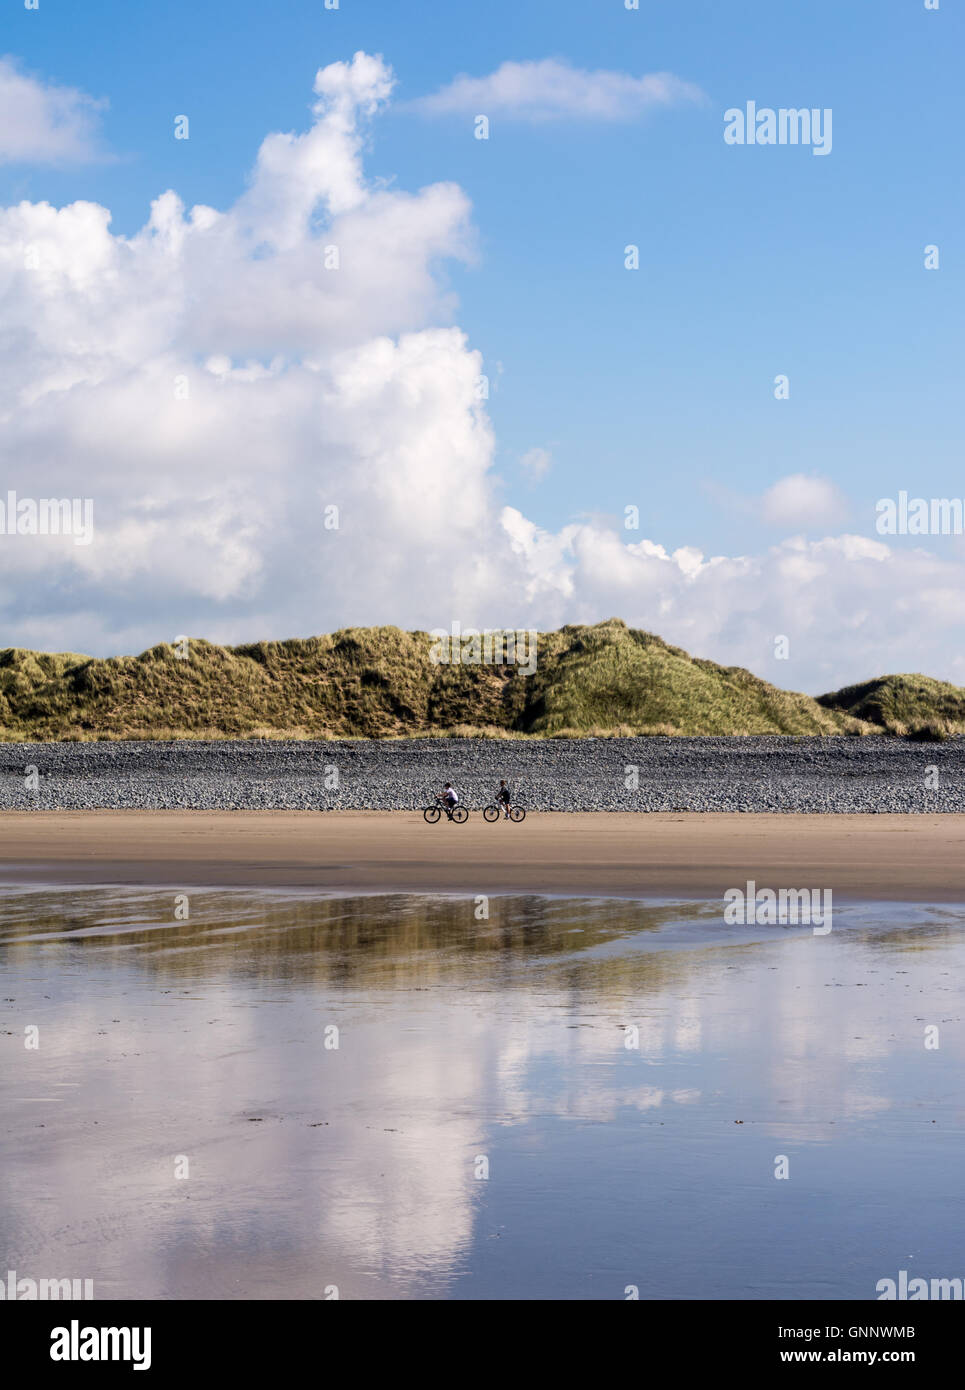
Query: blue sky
[[652, 387]]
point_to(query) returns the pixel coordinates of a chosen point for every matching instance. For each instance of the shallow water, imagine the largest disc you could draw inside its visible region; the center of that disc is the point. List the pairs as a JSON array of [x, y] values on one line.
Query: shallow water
[[466, 1045]]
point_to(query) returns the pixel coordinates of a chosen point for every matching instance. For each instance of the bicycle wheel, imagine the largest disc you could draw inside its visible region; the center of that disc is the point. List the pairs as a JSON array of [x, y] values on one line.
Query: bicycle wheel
[[460, 815], [431, 814], [517, 814], [491, 813]]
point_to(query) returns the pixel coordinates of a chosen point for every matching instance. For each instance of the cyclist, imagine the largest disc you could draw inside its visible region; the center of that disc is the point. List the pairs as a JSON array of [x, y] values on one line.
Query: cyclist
[[503, 799], [448, 796]]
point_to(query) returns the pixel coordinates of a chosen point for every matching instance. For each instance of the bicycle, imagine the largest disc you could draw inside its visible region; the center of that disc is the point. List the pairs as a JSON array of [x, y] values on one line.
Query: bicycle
[[457, 813], [495, 810]]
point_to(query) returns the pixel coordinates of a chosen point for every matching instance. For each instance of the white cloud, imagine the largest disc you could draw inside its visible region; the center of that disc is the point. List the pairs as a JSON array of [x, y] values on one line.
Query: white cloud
[[42, 123], [536, 463], [800, 500], [552, 88], [308, 385], [311, 386], [851, 606]]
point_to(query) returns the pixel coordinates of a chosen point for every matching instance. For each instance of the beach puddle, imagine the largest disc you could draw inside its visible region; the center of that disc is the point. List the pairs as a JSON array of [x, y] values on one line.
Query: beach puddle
[[229, 1094]]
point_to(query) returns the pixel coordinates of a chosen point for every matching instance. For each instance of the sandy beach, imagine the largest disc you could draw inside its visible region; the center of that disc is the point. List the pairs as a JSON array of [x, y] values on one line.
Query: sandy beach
[[872, 857]]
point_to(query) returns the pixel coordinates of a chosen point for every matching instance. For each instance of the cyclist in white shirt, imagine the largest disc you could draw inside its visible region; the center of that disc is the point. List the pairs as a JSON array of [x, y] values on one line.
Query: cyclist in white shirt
[[449, 796]]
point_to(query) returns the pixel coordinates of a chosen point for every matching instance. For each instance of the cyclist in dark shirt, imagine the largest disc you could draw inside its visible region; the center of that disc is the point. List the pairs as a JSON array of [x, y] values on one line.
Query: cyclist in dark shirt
[[503, 799]]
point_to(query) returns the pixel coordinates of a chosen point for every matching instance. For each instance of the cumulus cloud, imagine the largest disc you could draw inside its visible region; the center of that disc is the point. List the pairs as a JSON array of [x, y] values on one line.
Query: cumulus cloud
[[42, 123], [222, 380], [800, 500], [851, 607], [551, 88], [217, 380]]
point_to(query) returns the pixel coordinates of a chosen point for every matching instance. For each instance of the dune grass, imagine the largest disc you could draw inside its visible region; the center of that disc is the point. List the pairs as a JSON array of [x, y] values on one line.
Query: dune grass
[[603, 680], [912, 706]]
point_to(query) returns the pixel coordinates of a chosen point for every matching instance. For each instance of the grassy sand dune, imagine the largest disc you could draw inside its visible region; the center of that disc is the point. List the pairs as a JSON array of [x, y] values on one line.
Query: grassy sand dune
[[605, 679], [914, 706]]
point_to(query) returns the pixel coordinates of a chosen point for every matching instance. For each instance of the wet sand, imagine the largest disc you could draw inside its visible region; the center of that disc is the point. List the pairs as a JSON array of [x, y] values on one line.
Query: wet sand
[[895, 858], [285, 1093]]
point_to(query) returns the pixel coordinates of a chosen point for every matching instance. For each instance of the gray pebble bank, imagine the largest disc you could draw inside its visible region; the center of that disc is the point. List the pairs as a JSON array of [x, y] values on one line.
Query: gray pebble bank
[[687, 774]]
